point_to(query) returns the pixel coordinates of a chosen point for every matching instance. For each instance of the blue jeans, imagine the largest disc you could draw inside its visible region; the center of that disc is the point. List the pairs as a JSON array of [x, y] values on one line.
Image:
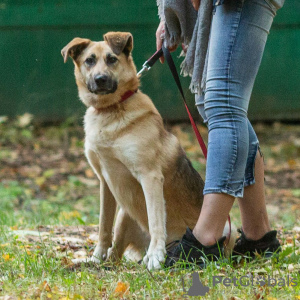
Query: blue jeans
[[237, 40]]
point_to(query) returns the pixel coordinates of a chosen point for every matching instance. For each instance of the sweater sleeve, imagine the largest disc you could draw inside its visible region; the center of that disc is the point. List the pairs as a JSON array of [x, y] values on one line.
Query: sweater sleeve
[[160, 5]]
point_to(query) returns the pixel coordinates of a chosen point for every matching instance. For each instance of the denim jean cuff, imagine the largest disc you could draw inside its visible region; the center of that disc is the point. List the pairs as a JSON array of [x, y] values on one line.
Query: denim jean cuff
[[239, 193]]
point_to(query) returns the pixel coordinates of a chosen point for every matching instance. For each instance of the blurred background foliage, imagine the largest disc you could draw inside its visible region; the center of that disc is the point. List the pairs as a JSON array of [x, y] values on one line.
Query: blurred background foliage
[[35, 80]]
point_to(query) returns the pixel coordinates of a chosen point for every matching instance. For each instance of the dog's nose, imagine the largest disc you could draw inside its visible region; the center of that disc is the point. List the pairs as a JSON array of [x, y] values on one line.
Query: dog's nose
[[100, 79]]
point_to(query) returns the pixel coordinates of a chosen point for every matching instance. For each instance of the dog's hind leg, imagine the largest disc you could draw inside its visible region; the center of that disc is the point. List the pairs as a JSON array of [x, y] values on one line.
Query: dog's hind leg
[[127, 232]]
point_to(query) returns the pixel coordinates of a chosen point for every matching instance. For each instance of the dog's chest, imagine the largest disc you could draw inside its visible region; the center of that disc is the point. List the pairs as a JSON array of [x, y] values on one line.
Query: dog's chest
[[112, 137], [116, 169], [108, 138], [100, 134]]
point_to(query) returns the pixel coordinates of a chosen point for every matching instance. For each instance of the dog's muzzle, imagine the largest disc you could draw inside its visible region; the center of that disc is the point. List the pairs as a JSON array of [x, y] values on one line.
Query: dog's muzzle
[[102, 84]]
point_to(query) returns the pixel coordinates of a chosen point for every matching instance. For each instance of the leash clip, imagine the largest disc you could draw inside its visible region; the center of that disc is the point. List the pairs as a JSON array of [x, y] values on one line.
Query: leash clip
[[151, 61], [145, 68]]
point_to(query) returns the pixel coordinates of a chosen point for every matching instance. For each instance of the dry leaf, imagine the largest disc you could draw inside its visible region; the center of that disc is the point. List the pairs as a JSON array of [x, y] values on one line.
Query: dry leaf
[[6, 257], [121, 289], [66, 262], [89, 173], [45, 286]]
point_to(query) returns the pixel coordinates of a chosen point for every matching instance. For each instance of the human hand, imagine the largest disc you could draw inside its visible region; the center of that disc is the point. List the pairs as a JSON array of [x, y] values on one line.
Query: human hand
[[160, 33], [196, 4]]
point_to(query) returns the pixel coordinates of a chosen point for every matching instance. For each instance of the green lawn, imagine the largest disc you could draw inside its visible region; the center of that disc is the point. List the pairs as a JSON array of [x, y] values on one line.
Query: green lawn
[[38, 265], [49, 202]]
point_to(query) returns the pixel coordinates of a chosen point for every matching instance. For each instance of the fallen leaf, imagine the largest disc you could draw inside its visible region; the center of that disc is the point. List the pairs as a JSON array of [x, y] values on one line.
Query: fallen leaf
[[65, 261], [292, 163], [121, 289], [89, 173], [6, 257]]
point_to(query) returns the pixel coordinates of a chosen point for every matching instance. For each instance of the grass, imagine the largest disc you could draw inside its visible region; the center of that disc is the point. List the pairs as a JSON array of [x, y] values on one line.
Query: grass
[[49, 203], [19, 208], [37, 270]]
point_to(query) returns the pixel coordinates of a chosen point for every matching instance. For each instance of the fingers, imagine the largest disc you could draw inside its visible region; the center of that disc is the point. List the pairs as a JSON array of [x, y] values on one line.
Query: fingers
[[172, 49], [160, 32], [196, 4], [159, 38]]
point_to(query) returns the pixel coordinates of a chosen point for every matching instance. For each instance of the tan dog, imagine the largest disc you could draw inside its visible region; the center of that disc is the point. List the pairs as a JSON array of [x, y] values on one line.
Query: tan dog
[[141, 167]]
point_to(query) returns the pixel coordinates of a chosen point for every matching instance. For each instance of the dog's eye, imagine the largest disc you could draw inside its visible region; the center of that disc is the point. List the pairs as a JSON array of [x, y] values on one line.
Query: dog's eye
[[111, 59], [90, 61]]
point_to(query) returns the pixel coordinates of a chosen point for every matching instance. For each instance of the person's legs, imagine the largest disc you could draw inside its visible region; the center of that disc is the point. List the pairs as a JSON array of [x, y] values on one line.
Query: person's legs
[[256, 234], [238, 35], [212, 219], [256, 223]]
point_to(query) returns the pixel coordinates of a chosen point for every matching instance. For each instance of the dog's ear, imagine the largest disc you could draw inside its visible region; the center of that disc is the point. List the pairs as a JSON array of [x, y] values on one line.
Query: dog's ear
[[74, 48], [119, 42]]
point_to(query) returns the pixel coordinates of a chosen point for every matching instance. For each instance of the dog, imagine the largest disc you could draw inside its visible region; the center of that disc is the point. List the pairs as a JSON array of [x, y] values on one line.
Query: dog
[[141, 167]]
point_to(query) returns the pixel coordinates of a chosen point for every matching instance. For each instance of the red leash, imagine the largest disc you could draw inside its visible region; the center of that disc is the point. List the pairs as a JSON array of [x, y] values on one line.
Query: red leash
[[147, 66], [172, 67]]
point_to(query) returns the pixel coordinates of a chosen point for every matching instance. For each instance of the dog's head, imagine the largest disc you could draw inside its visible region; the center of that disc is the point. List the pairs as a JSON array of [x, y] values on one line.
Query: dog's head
[[103, 70]]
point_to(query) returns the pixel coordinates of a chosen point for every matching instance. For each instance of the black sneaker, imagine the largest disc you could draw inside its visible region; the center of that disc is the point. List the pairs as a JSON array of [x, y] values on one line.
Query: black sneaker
[[266, 246], [190, 251]]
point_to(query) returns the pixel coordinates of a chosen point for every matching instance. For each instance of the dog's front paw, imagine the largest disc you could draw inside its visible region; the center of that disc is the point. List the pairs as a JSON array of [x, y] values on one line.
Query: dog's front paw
[[153, 260], [100, 254]]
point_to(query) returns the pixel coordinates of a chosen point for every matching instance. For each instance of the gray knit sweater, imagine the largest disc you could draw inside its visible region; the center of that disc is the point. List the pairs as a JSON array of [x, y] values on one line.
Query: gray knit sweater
[[185, 25]]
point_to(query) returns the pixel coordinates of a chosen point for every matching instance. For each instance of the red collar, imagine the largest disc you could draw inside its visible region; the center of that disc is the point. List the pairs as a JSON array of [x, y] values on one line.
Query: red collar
[[124, 97]]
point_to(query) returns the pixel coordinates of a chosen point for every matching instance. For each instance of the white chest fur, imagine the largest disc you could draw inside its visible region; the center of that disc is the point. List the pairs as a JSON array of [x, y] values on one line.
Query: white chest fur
[[117, 152]]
